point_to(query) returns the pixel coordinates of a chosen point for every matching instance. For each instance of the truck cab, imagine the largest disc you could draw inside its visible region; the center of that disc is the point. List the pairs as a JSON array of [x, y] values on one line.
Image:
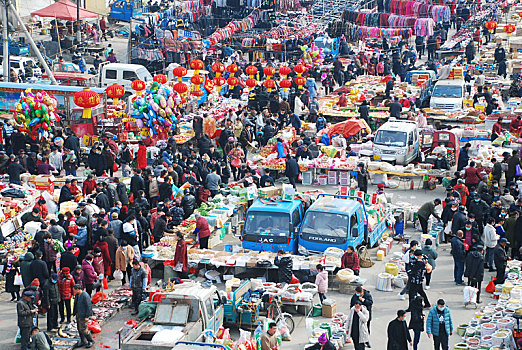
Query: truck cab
[[272, 226], [397, 142], [448, 95], [189, 312], [123, 74]]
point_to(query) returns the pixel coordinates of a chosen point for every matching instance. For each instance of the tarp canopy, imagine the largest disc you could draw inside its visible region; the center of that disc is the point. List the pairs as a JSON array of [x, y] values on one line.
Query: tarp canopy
[[348, 128], [64, 9]]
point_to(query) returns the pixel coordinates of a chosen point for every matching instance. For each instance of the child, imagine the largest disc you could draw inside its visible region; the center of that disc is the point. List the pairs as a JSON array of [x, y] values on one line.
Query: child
[[321, 281]]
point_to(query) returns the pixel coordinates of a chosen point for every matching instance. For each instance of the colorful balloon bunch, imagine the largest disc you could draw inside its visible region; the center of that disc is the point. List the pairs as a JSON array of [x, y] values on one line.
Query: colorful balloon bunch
[[154, 109], [36, 113], [312, 56]]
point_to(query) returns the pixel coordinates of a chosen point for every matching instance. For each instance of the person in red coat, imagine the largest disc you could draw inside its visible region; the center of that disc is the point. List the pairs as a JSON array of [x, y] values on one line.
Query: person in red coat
[[89, 185], [107, 262], [89, 274], [65, 286], [41, 204], [202, 230], [180, 255], [142, 156], [350, 260]]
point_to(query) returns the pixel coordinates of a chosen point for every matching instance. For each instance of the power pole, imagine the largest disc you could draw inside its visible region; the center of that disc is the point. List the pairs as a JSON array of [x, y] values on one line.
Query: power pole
[[5, 41], [78, 32]]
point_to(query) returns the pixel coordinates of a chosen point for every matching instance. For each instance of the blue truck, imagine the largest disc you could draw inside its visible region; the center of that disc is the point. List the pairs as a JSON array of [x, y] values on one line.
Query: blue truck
[[337, 221], [125, 10], [272, 226]]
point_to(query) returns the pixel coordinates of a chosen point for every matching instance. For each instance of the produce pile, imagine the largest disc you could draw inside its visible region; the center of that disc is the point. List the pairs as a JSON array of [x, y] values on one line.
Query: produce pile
[[36, 113]]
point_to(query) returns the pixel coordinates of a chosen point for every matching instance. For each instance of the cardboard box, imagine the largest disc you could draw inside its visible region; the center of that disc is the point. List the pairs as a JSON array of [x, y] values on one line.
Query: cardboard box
[[251, 263], [329, 310], [268, 192], [288, 192]]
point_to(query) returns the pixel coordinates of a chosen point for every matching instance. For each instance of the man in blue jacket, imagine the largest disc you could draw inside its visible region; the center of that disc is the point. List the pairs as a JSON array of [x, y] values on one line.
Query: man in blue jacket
[[82, 310], [440, 325], [459, 257]]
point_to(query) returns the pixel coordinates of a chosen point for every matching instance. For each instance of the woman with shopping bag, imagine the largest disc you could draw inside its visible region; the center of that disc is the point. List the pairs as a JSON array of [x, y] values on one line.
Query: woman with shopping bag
[[13, 279]]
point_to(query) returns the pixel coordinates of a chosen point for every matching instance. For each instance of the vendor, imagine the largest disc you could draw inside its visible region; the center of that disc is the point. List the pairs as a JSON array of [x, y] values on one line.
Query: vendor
[[441, 162], [202, 230], [497, 129], [322, 344], [350, 260], [515, 125], [343, 102], [269, 339]]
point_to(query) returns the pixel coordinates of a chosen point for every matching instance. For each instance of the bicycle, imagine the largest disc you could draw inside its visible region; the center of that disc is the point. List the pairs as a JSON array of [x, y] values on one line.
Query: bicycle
[[275, 313]]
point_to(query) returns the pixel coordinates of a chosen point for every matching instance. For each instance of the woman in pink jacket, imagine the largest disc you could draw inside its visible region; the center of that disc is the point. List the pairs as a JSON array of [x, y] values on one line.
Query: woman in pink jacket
[[321, 281]]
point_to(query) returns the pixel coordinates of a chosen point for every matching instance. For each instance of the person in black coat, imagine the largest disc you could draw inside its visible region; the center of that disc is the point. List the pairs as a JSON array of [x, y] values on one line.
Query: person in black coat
[[459, 220], [39, 270], [292, 170], [364, 111], [96, 161], [68, 259], [463, 157], [459, 257], [65, 192], [14, 170], [165, 192], [362, 178], [102, 200], [500, 259], [441, 162], [204, 144], [475, 268], [137, 184], [395, 108], [398, 333], [363, 297], [285, 264], [416, 320], [470, 51], [389, 87]]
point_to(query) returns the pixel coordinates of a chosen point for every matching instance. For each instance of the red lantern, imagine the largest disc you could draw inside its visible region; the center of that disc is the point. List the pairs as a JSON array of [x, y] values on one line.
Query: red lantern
[[251, 71], [232, 81], [86, 99], [299, 69], [269, 84], [197, 65], [160, 78], [219, 82], [491, 25], [251, 83], [284, 71], [209, 85], [115, 91], [138, 86], [285, 84], [232, 69], [197, 80], [269, 71], [510, 29], [300, 81], [520, 14], [197, 93], [218, 68], [180, 88], [180, 72]]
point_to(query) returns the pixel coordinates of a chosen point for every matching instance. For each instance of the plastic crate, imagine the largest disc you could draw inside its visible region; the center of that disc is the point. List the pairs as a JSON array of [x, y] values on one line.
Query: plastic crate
[[344, 178], [322, 179], [332, 177], [307, 178]]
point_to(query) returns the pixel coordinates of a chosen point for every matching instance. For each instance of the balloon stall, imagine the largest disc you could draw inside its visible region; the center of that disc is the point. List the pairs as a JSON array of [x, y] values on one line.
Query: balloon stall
[[153, 110], [312, 56], [35, 113]]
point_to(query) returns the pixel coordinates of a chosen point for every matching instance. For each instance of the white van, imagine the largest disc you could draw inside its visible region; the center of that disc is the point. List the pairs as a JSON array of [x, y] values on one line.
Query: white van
[[448, 95], [20, 63], [397, 142], [123, 74]]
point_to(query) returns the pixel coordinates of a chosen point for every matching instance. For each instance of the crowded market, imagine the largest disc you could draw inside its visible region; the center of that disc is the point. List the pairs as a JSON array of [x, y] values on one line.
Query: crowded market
[[261, 175]]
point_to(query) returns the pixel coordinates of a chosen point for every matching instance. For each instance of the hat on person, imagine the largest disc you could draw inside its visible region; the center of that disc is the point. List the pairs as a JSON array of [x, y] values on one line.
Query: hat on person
[[230, 138], [68, 181], [114, 215], [503, 240], [54, 277], [380, 185], [449, 188], [66, 270], [28, 293], [322, 339], [417, 252], [82, 204]]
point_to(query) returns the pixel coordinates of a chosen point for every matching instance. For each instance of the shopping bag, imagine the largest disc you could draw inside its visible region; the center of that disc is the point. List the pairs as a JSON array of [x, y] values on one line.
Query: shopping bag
[[104, 283], [470, 295], [490, 288], [518, 171], [115, 167], [94, 326], [18, 281], [118, 275]]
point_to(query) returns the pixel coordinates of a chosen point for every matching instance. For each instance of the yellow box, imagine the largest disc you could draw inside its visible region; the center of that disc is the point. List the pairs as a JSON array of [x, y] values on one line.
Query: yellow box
[[380, 255], [468, 103]]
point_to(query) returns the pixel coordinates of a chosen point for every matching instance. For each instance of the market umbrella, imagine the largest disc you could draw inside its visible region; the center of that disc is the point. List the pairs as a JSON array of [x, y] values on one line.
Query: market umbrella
[[64, 9]]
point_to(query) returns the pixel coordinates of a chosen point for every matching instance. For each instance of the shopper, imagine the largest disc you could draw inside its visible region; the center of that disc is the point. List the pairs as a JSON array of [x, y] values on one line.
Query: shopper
[[269, 339], [10, 270], [425, 211], [25, 314], [124, 256], [54, 300], [321, 281], [490, 241], [500, 258], [398, 333], [364, 297], [180, 256], [439, 325], [362, 178], [459, 257], [65, 287], [89, 274], [82, 311], [416, 270], [432, 255], [138, 284], [475, 268], [356, 326], [416, 320]]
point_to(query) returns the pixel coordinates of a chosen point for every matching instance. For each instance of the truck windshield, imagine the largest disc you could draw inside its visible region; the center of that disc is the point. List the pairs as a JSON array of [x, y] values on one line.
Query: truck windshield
[[453, 91], [326, 224], [391, 138], [267, 224]]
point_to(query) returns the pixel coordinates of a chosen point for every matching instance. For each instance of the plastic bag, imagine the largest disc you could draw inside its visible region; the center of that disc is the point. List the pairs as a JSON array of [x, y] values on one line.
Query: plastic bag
[[94, 326], [470, 295], [398, 282], [99, 296], [244, 336], [18, 281], [118, 275], [105, 284], [490, 288]]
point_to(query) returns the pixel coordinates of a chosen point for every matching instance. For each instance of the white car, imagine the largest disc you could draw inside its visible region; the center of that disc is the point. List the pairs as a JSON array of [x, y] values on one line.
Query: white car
[[20, 63]]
